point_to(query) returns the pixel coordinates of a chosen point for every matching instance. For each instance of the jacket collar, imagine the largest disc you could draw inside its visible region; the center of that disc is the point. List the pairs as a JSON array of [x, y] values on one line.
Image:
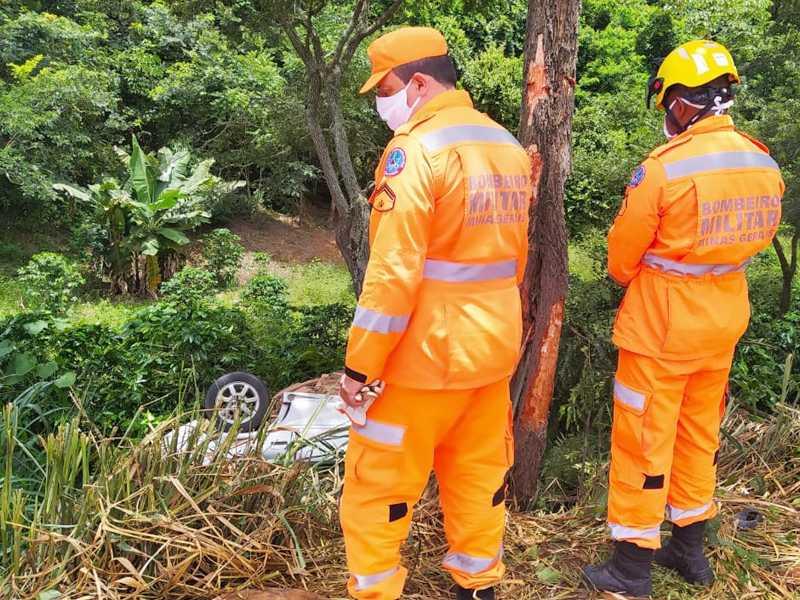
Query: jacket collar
[[709, 124], [448, 99]]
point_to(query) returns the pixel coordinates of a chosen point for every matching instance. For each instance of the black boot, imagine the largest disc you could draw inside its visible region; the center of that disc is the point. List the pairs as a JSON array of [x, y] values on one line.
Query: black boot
[[465, 594], [626, 572], [683, 553]]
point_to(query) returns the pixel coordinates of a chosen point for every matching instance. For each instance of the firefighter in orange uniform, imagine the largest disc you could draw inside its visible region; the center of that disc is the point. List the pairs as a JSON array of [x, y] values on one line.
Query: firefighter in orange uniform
[[695, 213], [439, 320]]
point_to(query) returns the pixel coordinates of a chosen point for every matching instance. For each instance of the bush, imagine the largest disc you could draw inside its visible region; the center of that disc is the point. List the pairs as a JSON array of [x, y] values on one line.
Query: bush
[[266, 289], [190, 284], [223, 252], [50, 282]]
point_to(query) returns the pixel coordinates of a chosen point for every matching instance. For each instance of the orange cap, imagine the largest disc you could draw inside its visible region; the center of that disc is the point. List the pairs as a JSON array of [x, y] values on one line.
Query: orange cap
[[402, 46]]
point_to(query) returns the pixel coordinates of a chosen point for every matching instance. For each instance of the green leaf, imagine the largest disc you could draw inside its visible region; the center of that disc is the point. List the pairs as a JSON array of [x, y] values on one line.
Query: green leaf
[[49, 595], [66, 380], [72, 190], [168, 199], [142, 177], [35, 327], [22, 364], [60, 324], [548, 575], [47, 370], [150, 247], [173, 167], [174, 235], [6, 347], [198, 178]]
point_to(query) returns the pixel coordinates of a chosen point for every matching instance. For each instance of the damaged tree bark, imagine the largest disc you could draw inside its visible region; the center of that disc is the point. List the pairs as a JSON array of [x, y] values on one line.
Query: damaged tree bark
[[545, 132]]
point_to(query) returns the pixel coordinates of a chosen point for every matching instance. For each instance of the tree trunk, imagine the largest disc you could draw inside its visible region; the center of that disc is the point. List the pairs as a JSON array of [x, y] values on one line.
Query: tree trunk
[[352, 238], [545, 131], [788, 268], [351, 214]]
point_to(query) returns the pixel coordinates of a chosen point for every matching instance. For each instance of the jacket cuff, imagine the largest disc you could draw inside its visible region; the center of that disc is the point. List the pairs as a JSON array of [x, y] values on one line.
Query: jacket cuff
[[355, 375]]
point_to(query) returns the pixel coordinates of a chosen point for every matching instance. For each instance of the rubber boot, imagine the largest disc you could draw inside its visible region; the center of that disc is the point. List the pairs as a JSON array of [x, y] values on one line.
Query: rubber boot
[[626, 572], [465, 594], [683, 553]]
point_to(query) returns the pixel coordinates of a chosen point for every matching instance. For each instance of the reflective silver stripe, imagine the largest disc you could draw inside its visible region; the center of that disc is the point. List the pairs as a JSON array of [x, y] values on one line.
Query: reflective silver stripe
[[628, 396], [467, 133], [698, 270], [620, 532], [442, 270], [379, 323], [366, 581], [470, 564], [678, 514], [719, 161], [384, 433]]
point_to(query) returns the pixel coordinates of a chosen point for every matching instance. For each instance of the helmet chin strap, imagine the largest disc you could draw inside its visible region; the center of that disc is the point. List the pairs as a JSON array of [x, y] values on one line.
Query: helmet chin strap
[[717, 107]]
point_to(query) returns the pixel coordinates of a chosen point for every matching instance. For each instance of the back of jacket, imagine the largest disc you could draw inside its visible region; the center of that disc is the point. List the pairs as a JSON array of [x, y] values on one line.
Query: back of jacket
[[696, 211], [440, 306]]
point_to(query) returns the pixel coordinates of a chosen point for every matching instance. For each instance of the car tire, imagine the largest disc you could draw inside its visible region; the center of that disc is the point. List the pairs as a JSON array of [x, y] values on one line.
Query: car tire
[[238, 393]]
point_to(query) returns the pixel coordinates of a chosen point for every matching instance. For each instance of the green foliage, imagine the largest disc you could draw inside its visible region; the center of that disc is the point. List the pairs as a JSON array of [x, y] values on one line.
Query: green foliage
[[50, 282], [47, 122], [25, 368], [190, 284], [42, 33], [223, 252], [266, 290], [142, 222], [495, 82]]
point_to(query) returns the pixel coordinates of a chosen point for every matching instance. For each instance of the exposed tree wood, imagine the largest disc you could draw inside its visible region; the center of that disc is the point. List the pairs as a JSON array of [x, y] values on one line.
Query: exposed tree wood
[[545, 131]]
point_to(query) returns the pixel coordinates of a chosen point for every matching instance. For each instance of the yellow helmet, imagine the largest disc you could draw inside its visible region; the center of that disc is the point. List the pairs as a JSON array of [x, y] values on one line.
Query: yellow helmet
[[693, 64]]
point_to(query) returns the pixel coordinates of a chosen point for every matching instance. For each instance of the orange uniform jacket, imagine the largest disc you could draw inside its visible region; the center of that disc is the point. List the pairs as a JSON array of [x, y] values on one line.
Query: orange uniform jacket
[[440, 305], [694, 214]]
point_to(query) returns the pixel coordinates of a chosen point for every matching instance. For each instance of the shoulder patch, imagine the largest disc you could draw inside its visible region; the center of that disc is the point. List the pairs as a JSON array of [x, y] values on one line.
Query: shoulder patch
[[637, 177], [395, 162]]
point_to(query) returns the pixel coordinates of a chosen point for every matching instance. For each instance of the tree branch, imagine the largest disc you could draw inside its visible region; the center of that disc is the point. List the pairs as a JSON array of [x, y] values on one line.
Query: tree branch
[[359, 37], [340, 140], [776, 243], [340, 46], [302, 49], [316, 45]]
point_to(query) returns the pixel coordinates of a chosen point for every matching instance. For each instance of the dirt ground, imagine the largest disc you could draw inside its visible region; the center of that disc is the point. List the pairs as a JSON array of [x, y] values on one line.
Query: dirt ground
[[288, 239]]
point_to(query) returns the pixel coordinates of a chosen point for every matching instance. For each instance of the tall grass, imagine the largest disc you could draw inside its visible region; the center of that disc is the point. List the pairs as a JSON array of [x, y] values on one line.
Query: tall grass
[[119, 517], [87, 516]]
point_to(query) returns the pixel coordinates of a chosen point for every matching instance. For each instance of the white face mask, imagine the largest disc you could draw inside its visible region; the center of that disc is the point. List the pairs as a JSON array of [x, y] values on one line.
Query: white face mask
[[719, 108], [394, 109]]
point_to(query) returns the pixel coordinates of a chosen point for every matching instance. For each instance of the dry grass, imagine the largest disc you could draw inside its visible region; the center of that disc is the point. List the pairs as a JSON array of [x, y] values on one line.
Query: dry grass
[[150, 527]]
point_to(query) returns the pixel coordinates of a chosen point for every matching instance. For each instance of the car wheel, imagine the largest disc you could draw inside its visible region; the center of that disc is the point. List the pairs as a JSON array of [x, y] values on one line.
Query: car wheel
[[238, 395]]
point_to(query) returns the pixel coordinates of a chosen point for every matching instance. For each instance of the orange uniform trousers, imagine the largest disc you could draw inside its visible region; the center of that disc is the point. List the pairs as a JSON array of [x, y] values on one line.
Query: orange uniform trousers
[[465, 436], [664, 443]]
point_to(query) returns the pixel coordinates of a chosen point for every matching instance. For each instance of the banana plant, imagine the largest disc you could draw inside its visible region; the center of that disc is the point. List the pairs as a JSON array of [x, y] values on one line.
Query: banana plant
[[146, 218], [165, 205]]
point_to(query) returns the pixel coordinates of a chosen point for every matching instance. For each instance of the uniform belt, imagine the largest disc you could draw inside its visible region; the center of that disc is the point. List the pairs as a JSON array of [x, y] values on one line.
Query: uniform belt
[[673, 267], [456, 272]]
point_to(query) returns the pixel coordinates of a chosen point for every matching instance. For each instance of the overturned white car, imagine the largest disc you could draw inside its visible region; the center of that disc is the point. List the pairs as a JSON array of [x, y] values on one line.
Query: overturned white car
[[308, 425]]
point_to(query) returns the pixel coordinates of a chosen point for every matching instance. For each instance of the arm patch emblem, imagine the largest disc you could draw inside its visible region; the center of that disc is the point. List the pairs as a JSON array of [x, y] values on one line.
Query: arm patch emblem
[[637, 177], [384, 199], [395, 162]]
